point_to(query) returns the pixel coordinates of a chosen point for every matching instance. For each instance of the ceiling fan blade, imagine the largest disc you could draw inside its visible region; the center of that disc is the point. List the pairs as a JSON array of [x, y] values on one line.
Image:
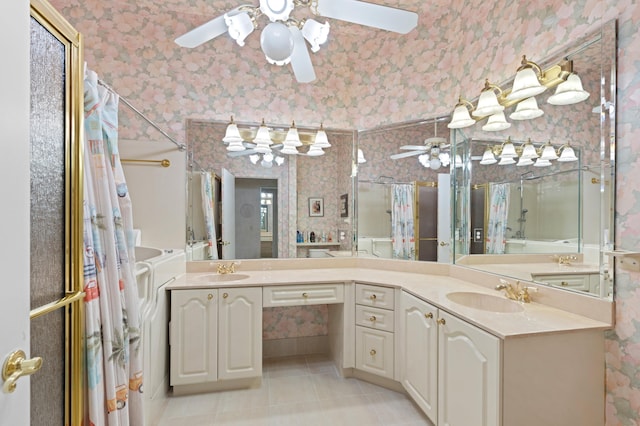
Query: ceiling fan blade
[[369, 14], [241, 153], [406, 154], [300, 59], [415, 147], [203, 33]]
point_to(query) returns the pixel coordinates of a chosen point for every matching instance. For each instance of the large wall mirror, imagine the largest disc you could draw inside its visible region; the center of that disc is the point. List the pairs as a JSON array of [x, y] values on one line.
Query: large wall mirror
[[259, 208], [550, 224]]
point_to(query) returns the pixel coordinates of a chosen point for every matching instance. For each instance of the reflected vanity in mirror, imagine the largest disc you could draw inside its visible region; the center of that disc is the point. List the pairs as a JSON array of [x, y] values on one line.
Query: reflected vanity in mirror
[[258, 206], [549, 222]]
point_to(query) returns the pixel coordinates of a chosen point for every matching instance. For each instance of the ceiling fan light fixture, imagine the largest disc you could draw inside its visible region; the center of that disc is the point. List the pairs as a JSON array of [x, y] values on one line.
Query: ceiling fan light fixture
[[254, 158], [239, 26], [315, 33], [279, 160], [276, 10], [276, 42]]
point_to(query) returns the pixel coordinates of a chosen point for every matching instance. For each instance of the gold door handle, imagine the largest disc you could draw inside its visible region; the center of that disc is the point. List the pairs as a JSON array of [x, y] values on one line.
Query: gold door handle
[[428, 316], [441, 321], [442, 244], [16, 366], [372, 352]]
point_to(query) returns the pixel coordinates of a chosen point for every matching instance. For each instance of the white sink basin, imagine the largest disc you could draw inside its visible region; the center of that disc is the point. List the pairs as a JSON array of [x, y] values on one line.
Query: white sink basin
[[485, 302], [216, 278], [145, 253]]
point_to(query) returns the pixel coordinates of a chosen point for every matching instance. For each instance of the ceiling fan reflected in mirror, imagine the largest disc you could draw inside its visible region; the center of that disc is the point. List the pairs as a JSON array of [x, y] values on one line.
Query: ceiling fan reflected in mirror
[[284, 39], [434, 153]]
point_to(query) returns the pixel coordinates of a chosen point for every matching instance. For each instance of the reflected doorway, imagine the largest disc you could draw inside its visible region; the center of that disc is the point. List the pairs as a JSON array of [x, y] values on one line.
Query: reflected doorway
[[256, 224]]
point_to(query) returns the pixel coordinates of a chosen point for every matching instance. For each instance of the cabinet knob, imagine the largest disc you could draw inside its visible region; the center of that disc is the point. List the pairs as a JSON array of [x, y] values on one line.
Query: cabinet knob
[[209, 296], [372, 352], [372, 318], [305, 295], [373, 297], [428, 315], [441, 321], [564, 283], [225, 295]]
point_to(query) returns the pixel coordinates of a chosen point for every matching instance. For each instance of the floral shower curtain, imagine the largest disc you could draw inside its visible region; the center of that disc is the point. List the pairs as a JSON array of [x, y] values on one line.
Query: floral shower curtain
[[402, 238], [113, 343], [498, 213], [207, 209]]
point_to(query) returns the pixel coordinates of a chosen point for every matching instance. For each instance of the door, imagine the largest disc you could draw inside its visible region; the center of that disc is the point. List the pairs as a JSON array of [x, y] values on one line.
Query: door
[[444, 218], [427, 221], [228, 237], [240, 333], [14, 227]]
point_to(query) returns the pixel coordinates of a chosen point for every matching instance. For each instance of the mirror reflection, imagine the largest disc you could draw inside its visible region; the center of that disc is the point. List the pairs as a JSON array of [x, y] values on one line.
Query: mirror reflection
[[544, 222]]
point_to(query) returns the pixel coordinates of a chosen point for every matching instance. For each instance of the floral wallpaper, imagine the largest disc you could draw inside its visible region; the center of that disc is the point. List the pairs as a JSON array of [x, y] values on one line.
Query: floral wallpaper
[[366, 78]]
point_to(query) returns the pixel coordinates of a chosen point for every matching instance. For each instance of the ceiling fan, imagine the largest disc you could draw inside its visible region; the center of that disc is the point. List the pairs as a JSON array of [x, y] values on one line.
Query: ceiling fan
[[283, 38], [432, 154]]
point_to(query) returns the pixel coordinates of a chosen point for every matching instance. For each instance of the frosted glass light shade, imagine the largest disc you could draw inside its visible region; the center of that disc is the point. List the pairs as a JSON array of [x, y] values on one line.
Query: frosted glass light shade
[[289, 150], [361, 158], [279, 160], [235, 146], [524, 162], [488, 158], [263, 140], [569, 92], [508, 150], [276, 42], [567, 155], [232, 133], [315, 33], [487, 104], [276, 10], [527, 110], [529, 151], [542, 163], [424, 160], [457, 161], [525, 85], [435, 163], [292, 138], [239, 26], [496, 123], [321, 139], [505, 161], [254, 158], [461, 118], [548, 153], [315, 151]]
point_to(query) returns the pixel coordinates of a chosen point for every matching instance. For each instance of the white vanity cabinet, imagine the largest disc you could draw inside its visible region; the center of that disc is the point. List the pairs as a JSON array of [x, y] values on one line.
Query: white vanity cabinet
[[589, 283], [449, 367], [215, 335], [375, 330]]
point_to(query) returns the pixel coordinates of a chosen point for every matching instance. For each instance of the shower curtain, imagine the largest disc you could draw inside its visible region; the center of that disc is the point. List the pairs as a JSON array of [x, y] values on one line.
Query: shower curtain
[[402, 238], [498, 213], [113, 341], [207, 209]]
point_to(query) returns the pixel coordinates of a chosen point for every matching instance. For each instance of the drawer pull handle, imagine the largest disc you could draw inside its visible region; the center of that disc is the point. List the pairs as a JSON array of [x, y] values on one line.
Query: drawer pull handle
[[564, 283], [372, 352], [305, 295], [372, 318], [441, 321], [225, 295], [209, 296], [373, 297], [428, 316]]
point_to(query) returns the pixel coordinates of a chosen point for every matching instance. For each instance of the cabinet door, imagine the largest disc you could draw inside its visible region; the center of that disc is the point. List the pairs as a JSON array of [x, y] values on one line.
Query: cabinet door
[[193, 336], [374, 351], [419, 352], [240, 333], [468, 374]]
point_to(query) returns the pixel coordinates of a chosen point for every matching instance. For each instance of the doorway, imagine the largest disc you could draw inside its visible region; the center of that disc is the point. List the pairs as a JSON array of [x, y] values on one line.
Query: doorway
[[256, 212]]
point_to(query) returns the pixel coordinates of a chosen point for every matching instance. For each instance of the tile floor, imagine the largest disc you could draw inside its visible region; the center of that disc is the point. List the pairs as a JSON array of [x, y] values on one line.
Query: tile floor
[[300, 391]]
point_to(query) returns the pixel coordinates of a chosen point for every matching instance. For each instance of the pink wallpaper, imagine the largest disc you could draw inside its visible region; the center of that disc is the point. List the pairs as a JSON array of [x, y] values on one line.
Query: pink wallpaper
[[368, 77]]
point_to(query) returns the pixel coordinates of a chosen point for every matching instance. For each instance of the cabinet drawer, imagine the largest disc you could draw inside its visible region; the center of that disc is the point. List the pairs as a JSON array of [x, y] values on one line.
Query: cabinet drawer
[[372, 295], [575, 282], [379, 319], [295, 295], [374, 351]]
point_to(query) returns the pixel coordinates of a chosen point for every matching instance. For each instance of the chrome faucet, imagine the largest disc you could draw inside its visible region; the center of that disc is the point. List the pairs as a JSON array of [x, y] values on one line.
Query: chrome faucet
[[517, 291], [226, 269]]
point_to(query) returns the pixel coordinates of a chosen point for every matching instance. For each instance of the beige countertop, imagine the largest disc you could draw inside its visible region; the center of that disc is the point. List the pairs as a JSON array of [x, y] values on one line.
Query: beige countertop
[[535, 318], [529, 271]]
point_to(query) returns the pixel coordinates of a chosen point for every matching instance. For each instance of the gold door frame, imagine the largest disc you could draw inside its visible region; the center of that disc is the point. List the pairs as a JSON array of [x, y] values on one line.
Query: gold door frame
[[72, 302]]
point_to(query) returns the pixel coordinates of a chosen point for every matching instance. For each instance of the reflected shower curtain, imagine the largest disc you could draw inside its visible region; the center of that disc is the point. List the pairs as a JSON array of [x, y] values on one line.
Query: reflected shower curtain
[[498, 212], [113, 343], [207, 210], [402, 238]]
